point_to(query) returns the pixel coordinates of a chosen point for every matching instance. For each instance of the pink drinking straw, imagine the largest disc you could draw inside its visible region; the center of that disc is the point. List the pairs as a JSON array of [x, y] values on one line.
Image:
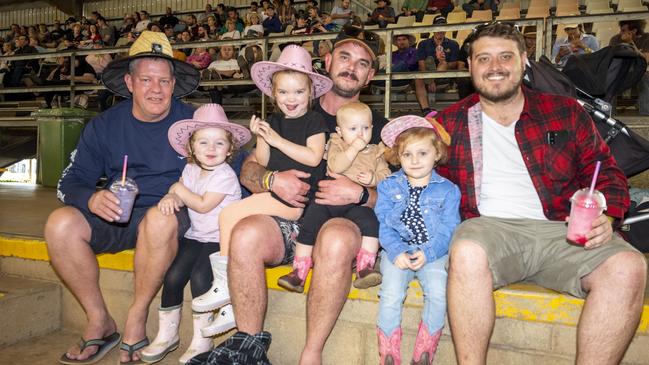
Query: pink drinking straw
[[126, 161], [598, 164]]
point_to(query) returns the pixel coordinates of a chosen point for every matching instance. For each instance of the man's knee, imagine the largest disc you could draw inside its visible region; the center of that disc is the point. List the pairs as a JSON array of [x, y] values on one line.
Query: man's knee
[[627, 269], [466, 255], [66, 224], [337, 242], [154, 222], [254, 238]]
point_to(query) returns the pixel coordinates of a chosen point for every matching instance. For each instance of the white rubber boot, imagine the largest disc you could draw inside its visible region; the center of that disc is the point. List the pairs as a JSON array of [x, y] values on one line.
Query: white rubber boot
[[167, 339], [199, 343], [223, 322], [218, 295]]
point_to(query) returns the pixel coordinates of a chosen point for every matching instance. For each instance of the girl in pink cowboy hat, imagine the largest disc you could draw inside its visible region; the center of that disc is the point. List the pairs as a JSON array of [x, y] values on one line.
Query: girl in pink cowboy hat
[[291, 138], [208, 184], [418, 211]]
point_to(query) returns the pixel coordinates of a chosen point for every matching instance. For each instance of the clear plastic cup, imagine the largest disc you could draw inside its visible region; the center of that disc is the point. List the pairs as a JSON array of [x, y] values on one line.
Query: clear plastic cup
[[126, 194], [584, 208]]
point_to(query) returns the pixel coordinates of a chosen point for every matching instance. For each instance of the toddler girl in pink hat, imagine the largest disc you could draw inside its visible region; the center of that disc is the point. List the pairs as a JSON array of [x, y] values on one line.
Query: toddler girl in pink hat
[[293, 138], [208, 184]]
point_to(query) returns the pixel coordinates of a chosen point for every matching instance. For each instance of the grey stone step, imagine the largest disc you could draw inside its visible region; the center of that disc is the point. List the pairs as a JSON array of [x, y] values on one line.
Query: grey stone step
[[28, 308]]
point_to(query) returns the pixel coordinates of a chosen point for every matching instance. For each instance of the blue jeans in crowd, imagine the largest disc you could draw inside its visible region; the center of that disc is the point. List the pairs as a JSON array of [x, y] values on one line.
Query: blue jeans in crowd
[[432, 278]]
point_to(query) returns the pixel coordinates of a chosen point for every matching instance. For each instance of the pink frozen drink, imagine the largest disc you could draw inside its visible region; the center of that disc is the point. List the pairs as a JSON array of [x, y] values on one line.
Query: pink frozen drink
[[584, 209], [126, 194]]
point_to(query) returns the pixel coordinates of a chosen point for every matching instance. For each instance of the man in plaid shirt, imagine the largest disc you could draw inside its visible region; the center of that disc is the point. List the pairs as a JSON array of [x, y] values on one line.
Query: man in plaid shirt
[[518, 156]]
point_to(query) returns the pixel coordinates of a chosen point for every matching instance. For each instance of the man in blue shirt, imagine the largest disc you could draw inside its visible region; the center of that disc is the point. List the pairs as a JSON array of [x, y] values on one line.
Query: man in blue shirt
[[434, 54], [150, 78], [575, 42]]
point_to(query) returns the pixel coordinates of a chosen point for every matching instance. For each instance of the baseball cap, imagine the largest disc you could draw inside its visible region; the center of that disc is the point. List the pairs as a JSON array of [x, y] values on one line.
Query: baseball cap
[[368, 40], [440, 19]]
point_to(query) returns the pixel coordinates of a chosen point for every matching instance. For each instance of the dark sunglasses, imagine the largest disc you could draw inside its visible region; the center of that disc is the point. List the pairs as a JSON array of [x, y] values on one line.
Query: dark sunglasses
[[357, 32]]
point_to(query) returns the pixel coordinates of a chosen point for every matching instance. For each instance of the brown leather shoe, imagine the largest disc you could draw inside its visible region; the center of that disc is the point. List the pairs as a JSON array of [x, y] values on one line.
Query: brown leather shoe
[[367, 278], [291, 282]]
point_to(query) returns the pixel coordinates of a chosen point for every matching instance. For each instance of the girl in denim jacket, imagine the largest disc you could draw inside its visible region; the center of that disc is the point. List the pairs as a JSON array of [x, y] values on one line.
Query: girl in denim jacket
[[417, 211]]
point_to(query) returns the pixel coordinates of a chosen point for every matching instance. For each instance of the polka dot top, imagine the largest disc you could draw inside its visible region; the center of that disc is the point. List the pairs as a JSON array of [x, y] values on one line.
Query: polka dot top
[[412, 217]]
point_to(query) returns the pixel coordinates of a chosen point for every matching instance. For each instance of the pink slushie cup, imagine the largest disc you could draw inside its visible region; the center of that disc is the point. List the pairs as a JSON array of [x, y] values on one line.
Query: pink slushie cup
[[584, 209], [126, 194]]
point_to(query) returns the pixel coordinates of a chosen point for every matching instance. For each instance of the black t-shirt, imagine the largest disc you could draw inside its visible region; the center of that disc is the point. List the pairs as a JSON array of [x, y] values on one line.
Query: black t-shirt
[[378, 122], [297, 130]]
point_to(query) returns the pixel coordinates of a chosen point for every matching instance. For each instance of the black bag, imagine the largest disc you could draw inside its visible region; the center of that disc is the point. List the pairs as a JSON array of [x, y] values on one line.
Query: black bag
[[543, 76], [637, 233]]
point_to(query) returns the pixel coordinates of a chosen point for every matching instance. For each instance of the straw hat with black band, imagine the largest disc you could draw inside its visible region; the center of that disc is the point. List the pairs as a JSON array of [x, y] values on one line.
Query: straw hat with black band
[[150, 44]]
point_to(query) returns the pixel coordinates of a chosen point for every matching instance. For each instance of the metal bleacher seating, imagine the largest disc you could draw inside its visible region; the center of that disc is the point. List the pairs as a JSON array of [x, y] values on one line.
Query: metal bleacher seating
[[509, 14], [540, 11], [625, 6], [481, 15], [598, 7]]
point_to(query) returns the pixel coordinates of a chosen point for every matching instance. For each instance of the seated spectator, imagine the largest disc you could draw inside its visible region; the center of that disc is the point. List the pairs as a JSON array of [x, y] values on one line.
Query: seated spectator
[[225, 67], [264, 6], [221, 13], [272, 24], [234, 15], [208, 11], [314, 14], [254, 7], [529, 33], [192, 24], [154, 27], [169, 18], [327, 23], [186, 37], [472, 5], [43, 34], [286, 13], [632, 32], [12, 34], [7, 50], [106, 31], [93, 36], [301, 25], [213, 26], [56, 34], [18, 69], [255, 29], [98, 61], [203, 34], [143, 24], [127, 25], [341, 15], [414, 7], [434, 54], [440, 6], [84, 74], [404, 59], [231, 30], [575, 42], [34, 42], [200, 58], [382, 15], [76, 37]]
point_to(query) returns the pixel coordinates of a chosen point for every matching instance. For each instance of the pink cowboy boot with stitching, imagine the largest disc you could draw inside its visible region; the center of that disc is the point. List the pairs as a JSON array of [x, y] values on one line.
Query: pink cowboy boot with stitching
[[390, 347], [294, 281], [366, 275], [425, 345]]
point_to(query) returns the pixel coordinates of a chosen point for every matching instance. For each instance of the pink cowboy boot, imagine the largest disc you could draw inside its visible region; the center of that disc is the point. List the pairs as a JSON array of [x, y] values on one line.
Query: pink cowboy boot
[[294, 281], [425, 345], [366, 275], [390, 347]]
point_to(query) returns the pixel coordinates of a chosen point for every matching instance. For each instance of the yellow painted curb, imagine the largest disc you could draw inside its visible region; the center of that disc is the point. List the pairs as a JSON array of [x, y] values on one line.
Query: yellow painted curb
[[518, 301]]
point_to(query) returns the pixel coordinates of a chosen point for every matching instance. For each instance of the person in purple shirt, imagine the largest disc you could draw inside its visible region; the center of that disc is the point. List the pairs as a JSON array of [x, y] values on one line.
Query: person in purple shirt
[[404, 59]]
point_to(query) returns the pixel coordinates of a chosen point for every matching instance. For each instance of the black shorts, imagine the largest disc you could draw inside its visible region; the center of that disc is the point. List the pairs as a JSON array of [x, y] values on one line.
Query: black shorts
[[107, 237], [290, 231]]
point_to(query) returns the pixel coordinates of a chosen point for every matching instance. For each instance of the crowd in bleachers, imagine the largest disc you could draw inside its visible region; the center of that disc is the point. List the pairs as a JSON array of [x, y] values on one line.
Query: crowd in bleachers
[[282, 17]]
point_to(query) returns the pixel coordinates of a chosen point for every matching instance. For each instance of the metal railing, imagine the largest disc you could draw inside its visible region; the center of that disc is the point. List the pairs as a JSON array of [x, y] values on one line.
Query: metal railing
[[543, 42]]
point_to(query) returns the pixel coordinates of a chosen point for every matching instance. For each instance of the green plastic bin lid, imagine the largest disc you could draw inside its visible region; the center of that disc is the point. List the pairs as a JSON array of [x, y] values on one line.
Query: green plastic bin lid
[[64, 113]]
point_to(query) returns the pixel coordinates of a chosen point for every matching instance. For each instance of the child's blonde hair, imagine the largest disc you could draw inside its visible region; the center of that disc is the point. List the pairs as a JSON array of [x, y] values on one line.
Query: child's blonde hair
[[291, 72], [190, 150], [354, 107], [415, 135]]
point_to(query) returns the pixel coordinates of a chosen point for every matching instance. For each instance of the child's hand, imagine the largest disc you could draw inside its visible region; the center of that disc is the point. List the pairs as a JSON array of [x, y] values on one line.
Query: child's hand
[[268, 134], [359, 144], [365, 177], [417, 260], [169, 204], [402, 261], [254, 124]]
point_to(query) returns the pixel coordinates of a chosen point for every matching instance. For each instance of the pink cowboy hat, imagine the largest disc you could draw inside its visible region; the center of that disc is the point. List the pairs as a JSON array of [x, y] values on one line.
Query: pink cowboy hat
[[207, 116], [392, 130], [293, 58]]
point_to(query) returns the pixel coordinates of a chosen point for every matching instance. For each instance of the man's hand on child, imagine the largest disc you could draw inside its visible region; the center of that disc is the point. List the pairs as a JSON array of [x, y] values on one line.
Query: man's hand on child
[[339, 191], [417, 260], [365, 177], [105, 205], [402, 261], [290, 187]]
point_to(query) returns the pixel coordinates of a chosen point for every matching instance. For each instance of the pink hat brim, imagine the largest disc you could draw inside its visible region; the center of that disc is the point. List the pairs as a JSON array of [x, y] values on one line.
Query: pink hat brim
[[262, 74], [180, 132], [393, 129]]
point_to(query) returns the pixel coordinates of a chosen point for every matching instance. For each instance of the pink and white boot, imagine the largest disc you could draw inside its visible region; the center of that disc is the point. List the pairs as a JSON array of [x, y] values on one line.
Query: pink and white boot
[[390, 347], [425, 345]]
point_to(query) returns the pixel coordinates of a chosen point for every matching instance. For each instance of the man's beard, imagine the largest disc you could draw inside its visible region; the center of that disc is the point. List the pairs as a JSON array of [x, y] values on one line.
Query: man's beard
[[347, 93], [501, 95]]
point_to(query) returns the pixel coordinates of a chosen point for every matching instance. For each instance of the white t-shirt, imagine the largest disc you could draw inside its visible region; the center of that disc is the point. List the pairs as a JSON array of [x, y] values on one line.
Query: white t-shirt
[[338, 10], [507, 190], [222, 65], [205, 226]]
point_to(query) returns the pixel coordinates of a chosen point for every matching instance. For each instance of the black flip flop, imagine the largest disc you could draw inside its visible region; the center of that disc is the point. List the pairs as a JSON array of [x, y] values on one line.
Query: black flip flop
[[104, 345], [131, 349]]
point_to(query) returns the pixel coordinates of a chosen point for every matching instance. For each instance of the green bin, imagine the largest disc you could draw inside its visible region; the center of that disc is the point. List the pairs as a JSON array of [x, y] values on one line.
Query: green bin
[[58, 134]]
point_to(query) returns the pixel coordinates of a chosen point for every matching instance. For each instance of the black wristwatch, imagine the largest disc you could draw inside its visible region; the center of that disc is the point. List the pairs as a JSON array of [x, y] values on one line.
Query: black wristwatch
[[365, 195]]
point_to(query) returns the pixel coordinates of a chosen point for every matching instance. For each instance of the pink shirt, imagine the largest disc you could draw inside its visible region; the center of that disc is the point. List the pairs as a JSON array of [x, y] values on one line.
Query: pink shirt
[[205, 226]]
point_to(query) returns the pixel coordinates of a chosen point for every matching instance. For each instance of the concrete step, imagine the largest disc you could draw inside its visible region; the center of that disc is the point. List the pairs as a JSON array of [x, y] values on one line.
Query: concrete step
[[28, 308]]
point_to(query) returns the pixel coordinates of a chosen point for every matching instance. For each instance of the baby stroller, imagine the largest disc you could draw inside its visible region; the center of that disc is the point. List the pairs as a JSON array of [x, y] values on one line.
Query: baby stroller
[[622, 68]]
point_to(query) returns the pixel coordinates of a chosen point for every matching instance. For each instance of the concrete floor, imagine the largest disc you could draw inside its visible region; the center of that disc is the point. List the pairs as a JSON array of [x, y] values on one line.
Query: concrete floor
[[24, 209]]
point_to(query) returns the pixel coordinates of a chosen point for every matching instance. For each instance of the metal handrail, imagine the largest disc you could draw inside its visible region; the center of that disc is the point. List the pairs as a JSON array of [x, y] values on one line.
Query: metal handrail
[[540, 23]]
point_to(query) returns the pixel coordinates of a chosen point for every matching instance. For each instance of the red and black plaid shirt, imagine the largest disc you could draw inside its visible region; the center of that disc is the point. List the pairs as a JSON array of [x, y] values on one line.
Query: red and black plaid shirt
[[557, 168]]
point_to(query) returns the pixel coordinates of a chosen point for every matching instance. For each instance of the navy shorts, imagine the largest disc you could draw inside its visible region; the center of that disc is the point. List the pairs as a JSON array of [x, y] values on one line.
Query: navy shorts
[[107, 237]]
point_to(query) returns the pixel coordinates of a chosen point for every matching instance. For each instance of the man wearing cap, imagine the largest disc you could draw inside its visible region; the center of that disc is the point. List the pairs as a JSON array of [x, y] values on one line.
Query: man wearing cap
[[434, 54], [382, 15], [575, 42], [260, 241], [151, 79], [518, 156]]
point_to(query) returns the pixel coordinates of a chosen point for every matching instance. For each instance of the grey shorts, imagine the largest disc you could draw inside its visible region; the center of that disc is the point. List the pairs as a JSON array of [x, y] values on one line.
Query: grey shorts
[[290, 230], [536, 251]]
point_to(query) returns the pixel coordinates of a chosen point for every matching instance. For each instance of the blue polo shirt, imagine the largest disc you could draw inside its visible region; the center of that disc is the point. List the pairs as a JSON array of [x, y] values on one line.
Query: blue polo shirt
[[427, 48]]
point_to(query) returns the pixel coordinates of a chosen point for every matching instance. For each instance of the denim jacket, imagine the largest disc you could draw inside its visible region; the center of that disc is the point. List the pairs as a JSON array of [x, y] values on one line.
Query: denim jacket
[[439, 204]]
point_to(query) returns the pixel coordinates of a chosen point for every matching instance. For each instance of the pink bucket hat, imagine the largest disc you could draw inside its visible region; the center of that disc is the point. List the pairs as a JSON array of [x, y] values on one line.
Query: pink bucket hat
[[392, 130], [293, 58], [207, 116]]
